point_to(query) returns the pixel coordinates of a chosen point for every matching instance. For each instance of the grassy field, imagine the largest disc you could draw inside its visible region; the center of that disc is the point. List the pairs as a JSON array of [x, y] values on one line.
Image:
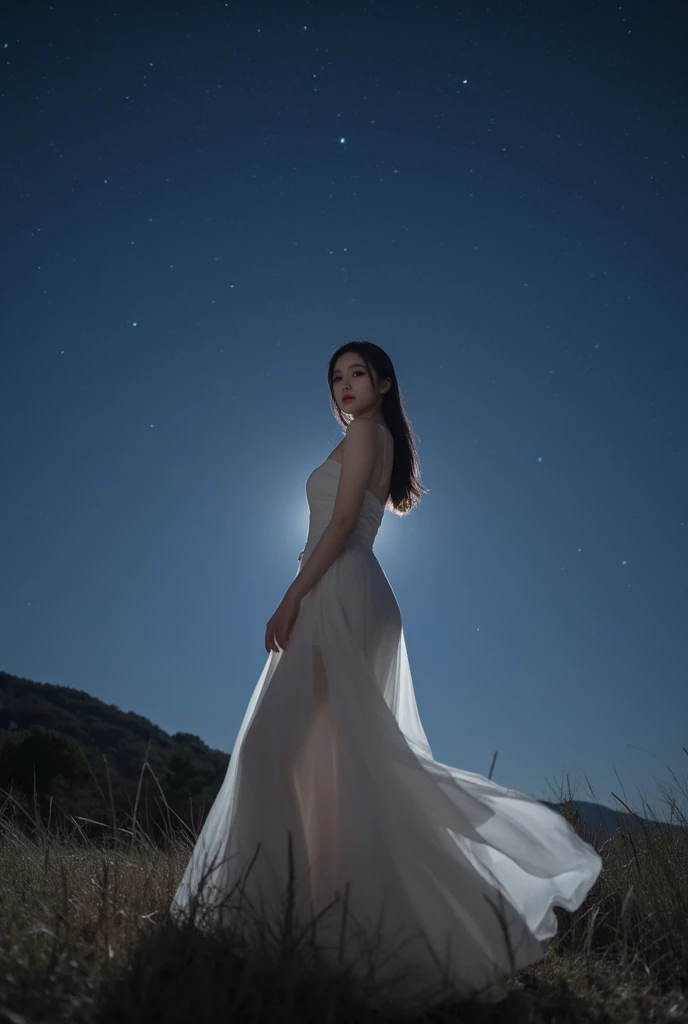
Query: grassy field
[[86, 936]]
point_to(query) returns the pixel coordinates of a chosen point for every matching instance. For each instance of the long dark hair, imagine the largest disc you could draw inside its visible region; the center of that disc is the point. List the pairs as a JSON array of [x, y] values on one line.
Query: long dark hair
[[405, 487]]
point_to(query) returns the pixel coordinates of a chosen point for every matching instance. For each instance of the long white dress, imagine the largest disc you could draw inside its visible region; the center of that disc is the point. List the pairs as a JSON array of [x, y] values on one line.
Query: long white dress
[[444, 867]]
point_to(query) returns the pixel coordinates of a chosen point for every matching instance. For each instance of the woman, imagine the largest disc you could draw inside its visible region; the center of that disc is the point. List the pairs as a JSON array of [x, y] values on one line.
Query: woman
[[332, 782]]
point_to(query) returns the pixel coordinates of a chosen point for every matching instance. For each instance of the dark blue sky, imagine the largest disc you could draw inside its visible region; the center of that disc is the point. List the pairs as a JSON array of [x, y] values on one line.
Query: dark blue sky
[[200, 202]]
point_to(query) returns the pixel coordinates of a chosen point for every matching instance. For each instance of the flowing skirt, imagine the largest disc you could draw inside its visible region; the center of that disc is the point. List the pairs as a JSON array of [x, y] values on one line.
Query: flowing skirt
[[453, 876]]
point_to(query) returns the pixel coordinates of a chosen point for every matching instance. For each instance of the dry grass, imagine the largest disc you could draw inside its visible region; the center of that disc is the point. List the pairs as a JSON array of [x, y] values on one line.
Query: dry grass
[[86, 936]]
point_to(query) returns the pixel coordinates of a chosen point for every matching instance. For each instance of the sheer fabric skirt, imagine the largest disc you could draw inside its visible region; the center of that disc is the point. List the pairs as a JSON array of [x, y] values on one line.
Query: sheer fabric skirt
[[332, 782]]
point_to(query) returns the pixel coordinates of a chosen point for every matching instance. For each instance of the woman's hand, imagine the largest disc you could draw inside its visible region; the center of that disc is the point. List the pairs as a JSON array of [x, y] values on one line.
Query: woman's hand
[[278, 629]]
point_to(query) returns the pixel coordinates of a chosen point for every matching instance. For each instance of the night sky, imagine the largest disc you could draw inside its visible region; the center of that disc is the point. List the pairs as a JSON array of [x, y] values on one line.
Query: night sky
[[200, 202]]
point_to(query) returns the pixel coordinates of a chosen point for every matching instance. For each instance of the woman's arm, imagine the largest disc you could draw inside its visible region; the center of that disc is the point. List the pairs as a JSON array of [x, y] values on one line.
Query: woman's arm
[[329, 547]]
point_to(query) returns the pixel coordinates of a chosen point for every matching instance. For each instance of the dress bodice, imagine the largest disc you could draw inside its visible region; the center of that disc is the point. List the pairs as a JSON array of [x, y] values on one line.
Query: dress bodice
[[321, 491]]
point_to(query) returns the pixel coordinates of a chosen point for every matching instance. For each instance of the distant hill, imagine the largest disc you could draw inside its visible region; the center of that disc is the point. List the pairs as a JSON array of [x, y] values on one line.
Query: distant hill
[[601, 821], [62, 731], [58, 738]]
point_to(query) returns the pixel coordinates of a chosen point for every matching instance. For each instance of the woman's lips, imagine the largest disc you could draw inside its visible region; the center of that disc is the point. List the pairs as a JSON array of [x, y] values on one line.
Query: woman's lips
[[349, 398]]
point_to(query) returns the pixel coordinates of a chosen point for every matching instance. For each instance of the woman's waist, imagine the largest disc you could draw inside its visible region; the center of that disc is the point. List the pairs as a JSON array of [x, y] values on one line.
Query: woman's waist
[[358, 540]]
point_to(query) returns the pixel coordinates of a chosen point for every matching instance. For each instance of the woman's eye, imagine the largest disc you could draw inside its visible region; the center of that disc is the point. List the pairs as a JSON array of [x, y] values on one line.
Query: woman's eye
[[355, 374]]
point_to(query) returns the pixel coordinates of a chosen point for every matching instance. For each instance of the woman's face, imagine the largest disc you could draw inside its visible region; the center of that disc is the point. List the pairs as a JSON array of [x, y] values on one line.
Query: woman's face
[[354, 392]]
